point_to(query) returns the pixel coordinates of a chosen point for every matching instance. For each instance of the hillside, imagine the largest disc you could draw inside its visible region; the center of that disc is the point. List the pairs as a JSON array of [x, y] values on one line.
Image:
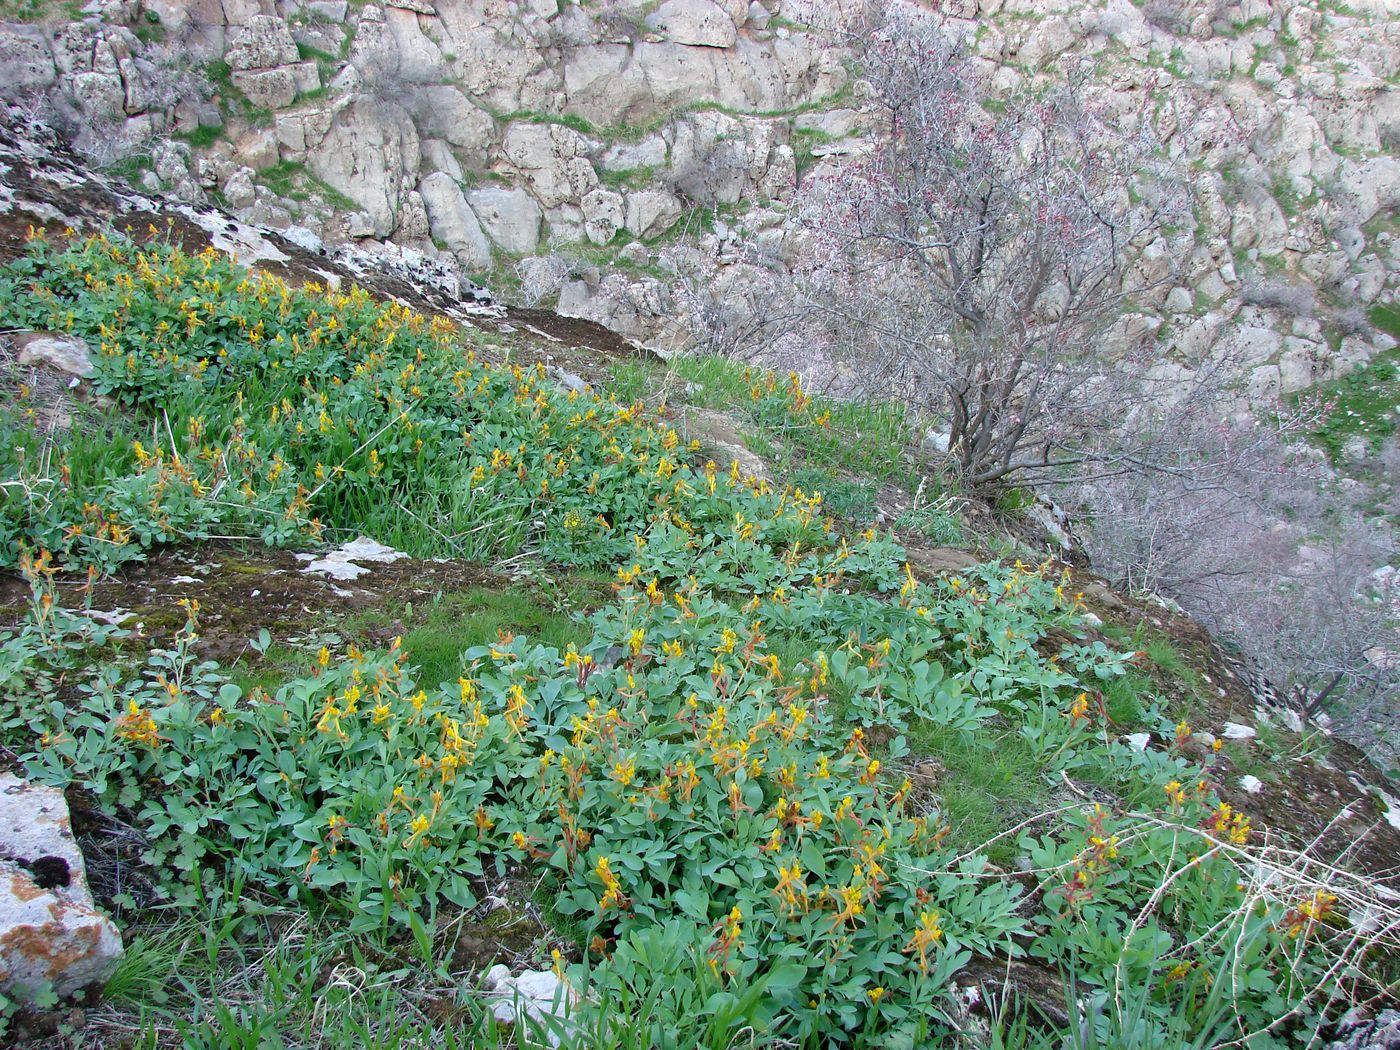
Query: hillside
[[376, 635]]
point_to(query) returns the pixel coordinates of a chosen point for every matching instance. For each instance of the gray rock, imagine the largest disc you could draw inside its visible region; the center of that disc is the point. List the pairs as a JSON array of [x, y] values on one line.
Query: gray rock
[[698, 23], [759, 16], [369, 151], [50, 929], [553, 159], [538, 994], [263, 43], [26, 63], [453, 222], [602, 215], [651, 212], [267, 88], [1358, 1033], [239, 190], [63, 353], [510, 217], [443, 112], [329, 10]]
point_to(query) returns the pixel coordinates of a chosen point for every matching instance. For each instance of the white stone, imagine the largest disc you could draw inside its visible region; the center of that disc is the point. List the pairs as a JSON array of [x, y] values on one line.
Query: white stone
[[367, 153], [539, 994], [261, 44], [1235, 731], [51, 933], [65, 353], [651, 212], [26, 63], [553, 159], [602, 215], [344, 563], [1251, 784], [444, 112]]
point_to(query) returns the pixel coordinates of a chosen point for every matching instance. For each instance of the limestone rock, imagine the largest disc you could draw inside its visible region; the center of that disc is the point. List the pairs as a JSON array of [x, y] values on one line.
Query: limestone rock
[[511, 217], [553, 159], [369, 151], [239, 190], [1362, 1033], [64, 353], [699, 23], [651, 212], [538, 994], [720, 434], [26, 63], [50, 929], [267, 88], [349, 560], [453, 222], [602, 215], [263, 43], [443, 112]]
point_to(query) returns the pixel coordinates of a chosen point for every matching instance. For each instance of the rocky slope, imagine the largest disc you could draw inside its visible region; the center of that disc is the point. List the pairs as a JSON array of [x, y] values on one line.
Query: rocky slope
[[1316, 802], [479, 132]]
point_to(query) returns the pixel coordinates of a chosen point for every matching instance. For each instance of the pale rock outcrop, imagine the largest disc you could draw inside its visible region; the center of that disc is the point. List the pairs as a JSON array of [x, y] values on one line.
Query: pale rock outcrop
[[553, 159], [26, 62], [63, 353], [264, 42], [267, 88], [699, 23], [370, 149], [603, 215], [50, 930], [651, 213], [510, 216], [442, 111], [452, 221], [650, 152]]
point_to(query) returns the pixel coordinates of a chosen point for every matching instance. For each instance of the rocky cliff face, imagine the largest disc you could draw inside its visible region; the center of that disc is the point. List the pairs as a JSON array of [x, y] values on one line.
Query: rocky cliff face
[[480, 132]]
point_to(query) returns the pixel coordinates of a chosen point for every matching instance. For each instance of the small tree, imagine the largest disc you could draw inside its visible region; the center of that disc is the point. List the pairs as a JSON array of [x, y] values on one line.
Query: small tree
[[971, 259]]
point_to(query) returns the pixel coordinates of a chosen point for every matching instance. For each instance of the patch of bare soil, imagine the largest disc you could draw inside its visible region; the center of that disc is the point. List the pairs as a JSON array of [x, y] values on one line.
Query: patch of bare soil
[[242, 589]]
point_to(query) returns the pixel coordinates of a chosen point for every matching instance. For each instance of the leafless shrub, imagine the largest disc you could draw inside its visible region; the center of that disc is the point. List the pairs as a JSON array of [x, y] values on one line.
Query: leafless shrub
[[1295, 298], [541, 277], [1352, 320], [728, 311], [1247, 537], [170, 76], [970, 260]]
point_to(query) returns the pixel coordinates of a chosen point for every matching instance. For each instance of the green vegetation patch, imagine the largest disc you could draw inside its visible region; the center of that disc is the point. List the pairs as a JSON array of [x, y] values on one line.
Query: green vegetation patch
[[1364, 403], [774, 783]]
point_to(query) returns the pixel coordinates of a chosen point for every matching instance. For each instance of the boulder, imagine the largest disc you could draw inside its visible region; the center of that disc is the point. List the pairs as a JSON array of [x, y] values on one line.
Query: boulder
[[443, 112], [239, 190], [698, 23], [267, 88], [367, 153], [1357, 1031], [540, 995], [50, 930], [263, 43], [651, 212], [511, 217], [453, 222], [602, 215], [26, 63], [63, 353], [553, 159]]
